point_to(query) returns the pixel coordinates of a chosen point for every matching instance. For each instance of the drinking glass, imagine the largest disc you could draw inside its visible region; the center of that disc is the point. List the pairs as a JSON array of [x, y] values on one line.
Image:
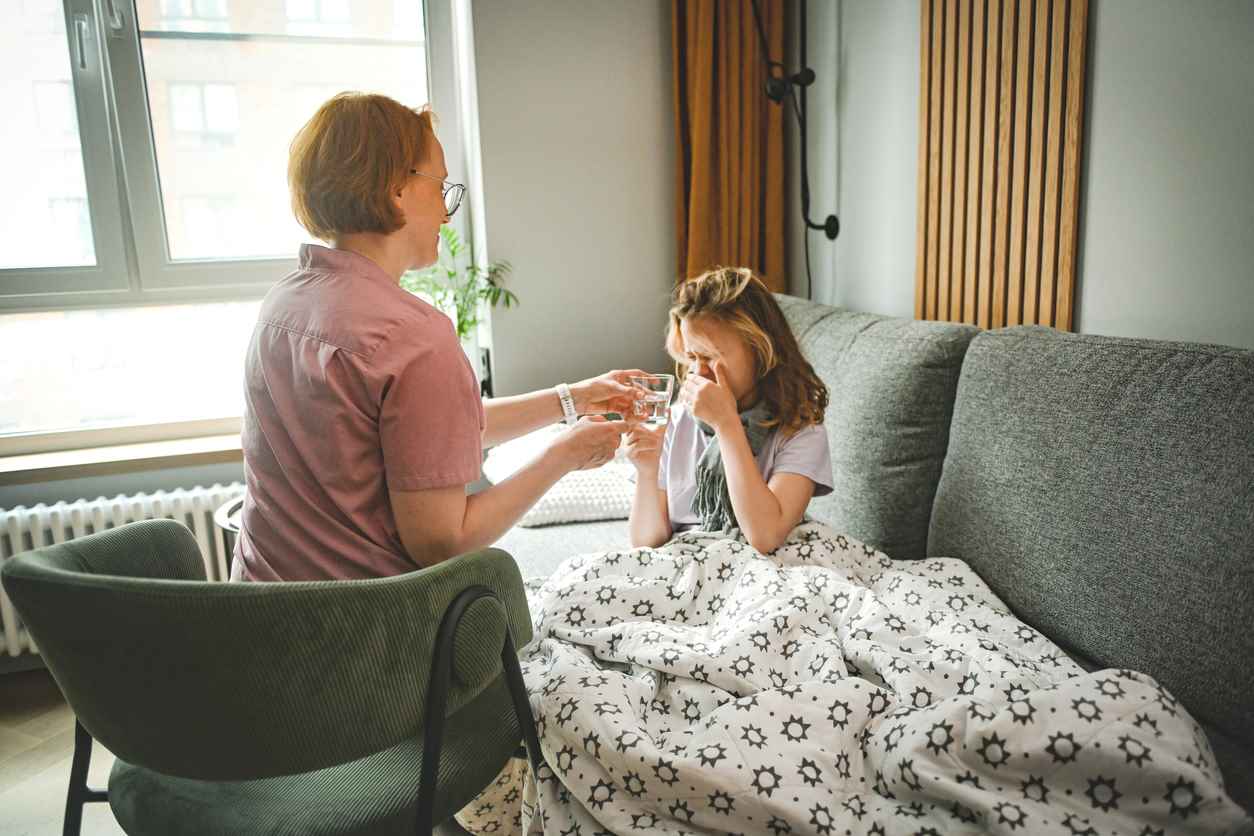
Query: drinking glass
[[653, 398]]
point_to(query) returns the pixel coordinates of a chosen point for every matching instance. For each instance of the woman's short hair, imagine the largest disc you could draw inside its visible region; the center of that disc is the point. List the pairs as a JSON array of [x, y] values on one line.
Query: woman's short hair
[[348, 160], [734, 296]]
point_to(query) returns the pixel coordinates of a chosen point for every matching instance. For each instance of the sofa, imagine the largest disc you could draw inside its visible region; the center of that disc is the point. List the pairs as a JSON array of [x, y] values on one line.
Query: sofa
[[1102, 487]]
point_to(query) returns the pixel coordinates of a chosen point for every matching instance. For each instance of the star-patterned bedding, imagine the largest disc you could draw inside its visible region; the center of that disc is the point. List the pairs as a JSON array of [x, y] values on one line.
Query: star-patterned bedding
[[825, 689]]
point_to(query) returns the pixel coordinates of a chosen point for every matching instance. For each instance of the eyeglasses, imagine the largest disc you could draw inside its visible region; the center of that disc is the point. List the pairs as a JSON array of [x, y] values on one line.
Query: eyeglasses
[[452, 192]]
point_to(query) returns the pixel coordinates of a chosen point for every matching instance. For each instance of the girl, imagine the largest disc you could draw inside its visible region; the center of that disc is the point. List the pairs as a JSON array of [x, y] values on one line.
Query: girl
[[744, 447]]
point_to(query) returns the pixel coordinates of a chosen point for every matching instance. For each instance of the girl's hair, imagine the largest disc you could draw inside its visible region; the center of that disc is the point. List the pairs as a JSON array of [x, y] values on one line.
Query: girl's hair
[[734, 296], [348, 160]]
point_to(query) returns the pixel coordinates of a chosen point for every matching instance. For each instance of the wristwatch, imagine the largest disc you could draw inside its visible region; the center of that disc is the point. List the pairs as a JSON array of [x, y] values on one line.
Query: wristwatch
[[568, 404]]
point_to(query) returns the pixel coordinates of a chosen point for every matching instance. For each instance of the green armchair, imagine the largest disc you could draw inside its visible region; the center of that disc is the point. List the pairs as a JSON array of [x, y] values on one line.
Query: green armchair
[[376, 706]]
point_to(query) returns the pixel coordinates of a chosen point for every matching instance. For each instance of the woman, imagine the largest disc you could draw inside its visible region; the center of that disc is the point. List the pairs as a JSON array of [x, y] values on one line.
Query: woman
[[363, 423]]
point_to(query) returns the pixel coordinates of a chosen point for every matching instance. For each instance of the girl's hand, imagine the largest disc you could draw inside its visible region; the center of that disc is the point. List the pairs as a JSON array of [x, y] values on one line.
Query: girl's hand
[[711, 401], [644, 447], [610, 392]]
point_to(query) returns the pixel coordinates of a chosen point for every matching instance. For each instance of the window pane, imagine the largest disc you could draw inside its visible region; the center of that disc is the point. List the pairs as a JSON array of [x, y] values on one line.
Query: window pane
[[226, 103], [301, 10], [44, 220], [124, 366], [191, 16], [221, 111], [186, 108]]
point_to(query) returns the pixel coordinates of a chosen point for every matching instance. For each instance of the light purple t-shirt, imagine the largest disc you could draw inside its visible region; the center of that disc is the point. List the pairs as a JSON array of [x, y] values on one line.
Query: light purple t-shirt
[[805, 452]]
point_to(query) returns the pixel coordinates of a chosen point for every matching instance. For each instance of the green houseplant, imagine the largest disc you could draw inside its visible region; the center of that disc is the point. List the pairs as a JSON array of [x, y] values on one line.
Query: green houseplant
[[456, 287]]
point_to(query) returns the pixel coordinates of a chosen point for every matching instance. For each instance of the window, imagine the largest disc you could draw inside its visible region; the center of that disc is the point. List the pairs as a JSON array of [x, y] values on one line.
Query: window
[[41, 155], [208, 227], [223, 115], [202, 97], [41, 17], [194, 16], [320, 17], [138, 278], [54, 106], [203, 115], [124, 366], [69, 218]]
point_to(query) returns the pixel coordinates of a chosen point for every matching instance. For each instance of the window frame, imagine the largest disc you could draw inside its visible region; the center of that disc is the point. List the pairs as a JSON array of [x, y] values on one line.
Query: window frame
[[28, 288], [454, 98], [159, 272]]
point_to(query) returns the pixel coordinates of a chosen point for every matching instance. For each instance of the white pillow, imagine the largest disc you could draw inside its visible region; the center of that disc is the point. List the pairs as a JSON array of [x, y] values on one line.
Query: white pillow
[[603, 493]]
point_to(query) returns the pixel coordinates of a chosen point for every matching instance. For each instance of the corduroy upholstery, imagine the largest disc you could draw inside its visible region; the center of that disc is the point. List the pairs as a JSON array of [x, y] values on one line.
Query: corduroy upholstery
[[269, 708], [1104, 489]]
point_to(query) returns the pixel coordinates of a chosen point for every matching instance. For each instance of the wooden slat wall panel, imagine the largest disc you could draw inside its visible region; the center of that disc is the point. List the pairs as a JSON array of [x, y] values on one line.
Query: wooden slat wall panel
[[932, 187], [988, 181], [1000, 110], [962, 103], [975, 160], [925, 84]]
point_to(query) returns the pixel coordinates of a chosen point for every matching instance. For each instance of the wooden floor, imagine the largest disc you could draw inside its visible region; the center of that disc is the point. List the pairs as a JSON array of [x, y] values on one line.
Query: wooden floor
[[36, 745]]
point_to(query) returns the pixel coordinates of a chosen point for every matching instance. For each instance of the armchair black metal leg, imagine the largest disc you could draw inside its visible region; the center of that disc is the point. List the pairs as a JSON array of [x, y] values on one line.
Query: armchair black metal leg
[[79, 793], [437, 700], [522, 704]]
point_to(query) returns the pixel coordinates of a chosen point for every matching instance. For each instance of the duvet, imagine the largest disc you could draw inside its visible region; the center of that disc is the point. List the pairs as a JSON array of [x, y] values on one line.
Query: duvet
[[824, 689]]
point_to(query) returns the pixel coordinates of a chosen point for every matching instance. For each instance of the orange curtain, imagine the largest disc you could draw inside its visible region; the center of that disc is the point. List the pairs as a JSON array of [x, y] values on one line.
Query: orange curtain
[[730, 177]]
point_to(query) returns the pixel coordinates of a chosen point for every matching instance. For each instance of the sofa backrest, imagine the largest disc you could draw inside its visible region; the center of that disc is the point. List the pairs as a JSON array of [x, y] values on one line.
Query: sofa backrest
[[891, 383], [1104, 489]]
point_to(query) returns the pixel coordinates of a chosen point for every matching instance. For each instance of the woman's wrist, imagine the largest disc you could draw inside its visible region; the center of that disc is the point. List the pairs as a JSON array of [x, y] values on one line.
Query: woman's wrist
[[560, 456], [579, 394], [568, 403]]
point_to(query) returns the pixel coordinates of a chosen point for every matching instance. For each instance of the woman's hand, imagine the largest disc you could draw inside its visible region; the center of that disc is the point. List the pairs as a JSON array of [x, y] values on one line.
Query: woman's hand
[[590, 443], [610, 392], [644, 447], [711, 401]]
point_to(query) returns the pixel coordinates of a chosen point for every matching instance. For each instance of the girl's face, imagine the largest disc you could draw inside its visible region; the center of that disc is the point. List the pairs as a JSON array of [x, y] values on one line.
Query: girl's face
[[707, 342]]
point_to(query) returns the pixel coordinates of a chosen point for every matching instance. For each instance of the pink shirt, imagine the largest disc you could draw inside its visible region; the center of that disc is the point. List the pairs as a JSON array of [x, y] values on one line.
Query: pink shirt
[[352, 386]]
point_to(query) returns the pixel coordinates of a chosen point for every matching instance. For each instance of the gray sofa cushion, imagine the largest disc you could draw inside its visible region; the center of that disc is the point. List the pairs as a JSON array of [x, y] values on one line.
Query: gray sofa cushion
[[892, 384], [1104, 488], [802, 313]]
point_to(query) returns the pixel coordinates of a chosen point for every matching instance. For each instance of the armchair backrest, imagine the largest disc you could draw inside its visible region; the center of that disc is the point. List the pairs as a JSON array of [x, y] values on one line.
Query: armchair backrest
[[236, 681]]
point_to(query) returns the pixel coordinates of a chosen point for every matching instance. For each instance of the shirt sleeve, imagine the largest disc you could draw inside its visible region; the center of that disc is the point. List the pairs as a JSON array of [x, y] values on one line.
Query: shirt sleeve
[[431, 417], [807, 453]]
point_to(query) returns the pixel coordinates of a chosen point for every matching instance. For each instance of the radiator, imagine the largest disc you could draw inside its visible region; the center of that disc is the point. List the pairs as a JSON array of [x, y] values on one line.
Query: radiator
[[22, 529]]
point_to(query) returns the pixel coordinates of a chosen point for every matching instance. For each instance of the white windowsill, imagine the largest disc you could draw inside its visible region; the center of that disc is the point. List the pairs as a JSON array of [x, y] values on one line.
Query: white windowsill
[[119, 458]]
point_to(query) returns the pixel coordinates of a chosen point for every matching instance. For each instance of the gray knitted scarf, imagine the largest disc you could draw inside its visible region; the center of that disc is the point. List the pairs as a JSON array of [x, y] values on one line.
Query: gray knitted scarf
[[713, 501]]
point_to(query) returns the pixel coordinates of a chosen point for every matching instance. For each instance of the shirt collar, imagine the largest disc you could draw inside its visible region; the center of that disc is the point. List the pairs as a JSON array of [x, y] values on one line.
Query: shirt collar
[[332, 260]]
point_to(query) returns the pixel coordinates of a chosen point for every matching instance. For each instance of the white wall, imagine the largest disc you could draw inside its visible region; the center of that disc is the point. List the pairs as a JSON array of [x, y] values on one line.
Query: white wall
[[823, 52], [862, 122], [1166, 215], [878, 120], [575, 116]]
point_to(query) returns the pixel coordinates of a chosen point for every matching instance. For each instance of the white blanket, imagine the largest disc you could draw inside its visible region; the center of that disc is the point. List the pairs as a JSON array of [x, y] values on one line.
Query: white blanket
[[704, 688]]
